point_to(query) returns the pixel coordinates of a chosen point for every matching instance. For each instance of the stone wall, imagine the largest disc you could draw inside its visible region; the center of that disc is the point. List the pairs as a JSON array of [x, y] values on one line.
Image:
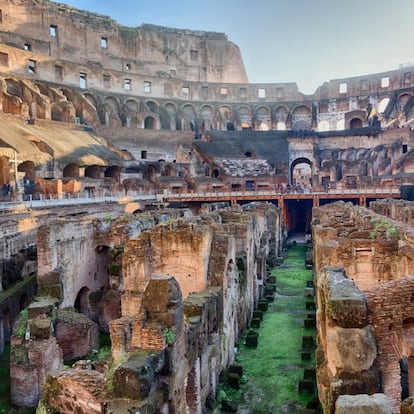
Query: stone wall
[[189, 288], [373, 255]]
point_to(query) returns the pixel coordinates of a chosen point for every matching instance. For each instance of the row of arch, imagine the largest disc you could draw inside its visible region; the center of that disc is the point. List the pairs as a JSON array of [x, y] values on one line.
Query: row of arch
[[38, 100]]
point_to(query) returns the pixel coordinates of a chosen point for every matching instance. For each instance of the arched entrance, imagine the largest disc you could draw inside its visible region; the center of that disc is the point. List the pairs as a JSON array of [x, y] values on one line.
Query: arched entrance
[[301, 174], [82, 301]]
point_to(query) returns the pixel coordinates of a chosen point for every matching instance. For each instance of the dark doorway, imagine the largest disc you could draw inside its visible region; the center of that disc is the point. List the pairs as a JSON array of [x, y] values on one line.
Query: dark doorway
[[299, 215]]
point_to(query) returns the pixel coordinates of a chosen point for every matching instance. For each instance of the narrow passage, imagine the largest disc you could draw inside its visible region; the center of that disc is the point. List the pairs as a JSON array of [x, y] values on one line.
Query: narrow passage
[[285, 353]]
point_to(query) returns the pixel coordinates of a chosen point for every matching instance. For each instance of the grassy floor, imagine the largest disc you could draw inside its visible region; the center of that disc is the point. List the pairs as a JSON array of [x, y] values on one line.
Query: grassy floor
[[274, 369]]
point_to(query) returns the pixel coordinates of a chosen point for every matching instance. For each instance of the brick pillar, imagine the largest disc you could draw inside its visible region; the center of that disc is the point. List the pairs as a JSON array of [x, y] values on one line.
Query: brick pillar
[[193, 390]]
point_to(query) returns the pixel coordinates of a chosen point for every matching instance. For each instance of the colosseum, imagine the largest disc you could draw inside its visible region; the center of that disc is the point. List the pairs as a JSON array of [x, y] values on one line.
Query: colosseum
[[146, 190]]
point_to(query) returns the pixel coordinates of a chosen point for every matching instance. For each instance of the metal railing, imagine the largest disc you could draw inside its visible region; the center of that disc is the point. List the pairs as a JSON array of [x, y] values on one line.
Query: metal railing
[[120, 198], [77, 199], [235, 194]]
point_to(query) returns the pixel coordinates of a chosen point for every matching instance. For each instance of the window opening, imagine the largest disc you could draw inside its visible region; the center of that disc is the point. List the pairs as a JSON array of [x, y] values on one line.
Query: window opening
[[186, 92], [31, 66], [106, 81], [53, 30], [223, 93], [194, 55], [82, 80]]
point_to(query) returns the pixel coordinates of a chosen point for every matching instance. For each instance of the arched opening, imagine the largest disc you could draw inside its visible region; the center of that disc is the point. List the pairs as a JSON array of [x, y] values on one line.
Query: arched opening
[[215, 173], [301, 118], [71, 170], [82, 301], [93, 171], [263, 119], [114, 172], [245, 116], [355, 123], [301, 174], [28, 168], [323, 126], [149, 122]]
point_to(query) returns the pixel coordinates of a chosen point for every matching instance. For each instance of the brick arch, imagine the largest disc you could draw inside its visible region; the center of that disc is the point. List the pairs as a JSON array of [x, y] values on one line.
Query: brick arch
[[281, 114], [294, 164], [110, 112], [82, 300], [355, 123], [150, 122], [226, 118], [190, 117], [263, 118], [207, 115], [152, 106], [114, 171], [301, 118], [169, 111], [71, 170], [245, 116], [93, 171], [28, 168]]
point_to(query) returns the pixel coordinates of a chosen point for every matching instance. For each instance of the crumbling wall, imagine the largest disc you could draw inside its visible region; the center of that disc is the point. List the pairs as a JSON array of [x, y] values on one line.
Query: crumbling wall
[[213, 259], [189, 287], [376, 254], [346, 342]]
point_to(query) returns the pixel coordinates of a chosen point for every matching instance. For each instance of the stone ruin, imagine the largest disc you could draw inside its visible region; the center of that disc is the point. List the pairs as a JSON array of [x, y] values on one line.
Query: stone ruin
[[364, 281], [174, 291]]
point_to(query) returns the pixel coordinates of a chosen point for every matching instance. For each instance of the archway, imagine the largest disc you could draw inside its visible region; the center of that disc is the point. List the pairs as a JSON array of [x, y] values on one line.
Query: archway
[[263, 119], [82, 301], [71, 170], [301, 118], [355, 123], [301, 173], [93, 171], [149, 122], [114, 172]]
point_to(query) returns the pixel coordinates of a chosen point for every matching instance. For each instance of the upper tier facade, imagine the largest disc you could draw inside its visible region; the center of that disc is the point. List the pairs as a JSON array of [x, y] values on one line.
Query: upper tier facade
[[163, 78]]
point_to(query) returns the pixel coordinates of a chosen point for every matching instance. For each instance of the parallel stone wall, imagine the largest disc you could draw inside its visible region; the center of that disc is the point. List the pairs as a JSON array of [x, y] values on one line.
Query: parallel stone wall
[[189, 288], [375, 254]]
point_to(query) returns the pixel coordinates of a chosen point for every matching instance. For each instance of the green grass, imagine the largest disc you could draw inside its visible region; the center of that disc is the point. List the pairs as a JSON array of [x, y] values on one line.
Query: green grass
[[274, 368]]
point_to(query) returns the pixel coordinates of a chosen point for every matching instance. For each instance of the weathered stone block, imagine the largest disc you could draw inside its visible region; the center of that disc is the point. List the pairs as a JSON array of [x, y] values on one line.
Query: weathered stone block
[[255, 323], [40, 328], [258, 314], [237, 369], [345, 303], [252, 339], [263, 305], [363, 404], [306, 386], [133, 378], [351, 350], [233, 380]]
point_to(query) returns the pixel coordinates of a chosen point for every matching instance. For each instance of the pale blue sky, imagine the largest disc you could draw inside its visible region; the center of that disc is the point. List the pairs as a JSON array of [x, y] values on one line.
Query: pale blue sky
[[303, 41]]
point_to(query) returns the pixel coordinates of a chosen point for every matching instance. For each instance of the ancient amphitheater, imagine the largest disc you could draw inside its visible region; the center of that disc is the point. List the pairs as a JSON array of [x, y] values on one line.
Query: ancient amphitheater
[[148, 187]]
